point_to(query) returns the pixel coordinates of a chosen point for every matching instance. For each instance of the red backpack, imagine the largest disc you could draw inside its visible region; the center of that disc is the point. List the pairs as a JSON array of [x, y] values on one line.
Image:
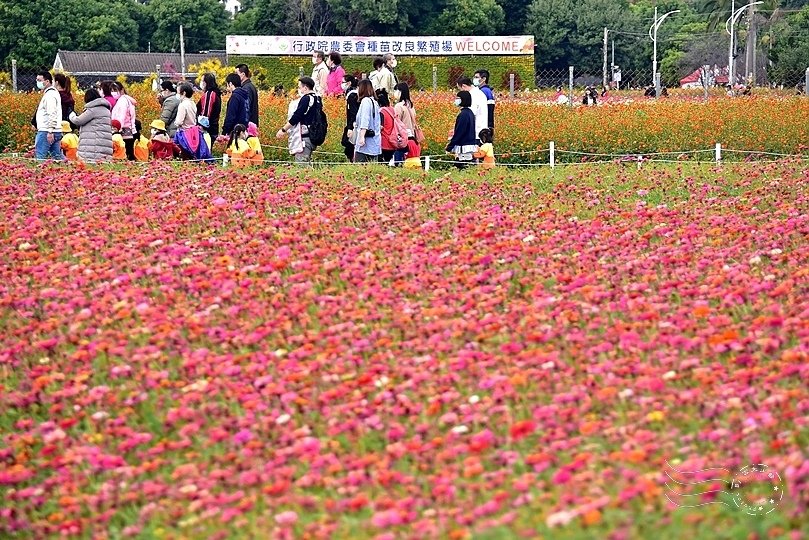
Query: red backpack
[[398, 135]]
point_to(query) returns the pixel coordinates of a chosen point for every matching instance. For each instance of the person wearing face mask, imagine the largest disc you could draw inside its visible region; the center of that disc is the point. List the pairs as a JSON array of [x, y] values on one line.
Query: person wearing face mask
[[48, 119], [481, 80], [406, 112], [320, 73], [238, 111], [334, 80], [161, 146], [252, 93], [124, 111], [110, 92], [171, 101], [302, 117], [478, 104], [462, 140], [349, 86], [385, 79], [210, 104]]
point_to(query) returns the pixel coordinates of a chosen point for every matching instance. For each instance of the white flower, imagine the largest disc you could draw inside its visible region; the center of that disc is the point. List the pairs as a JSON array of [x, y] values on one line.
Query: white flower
[[474, 398], [529, 238], [548, 365], [626, 393], [460, 430], [25, 246], [775, 252], [560, 518], [755, 259], [669, 375], [283, 419]]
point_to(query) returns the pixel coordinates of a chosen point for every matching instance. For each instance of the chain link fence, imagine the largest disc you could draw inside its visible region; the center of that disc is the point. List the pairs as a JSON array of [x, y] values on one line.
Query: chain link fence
[[23, 79]]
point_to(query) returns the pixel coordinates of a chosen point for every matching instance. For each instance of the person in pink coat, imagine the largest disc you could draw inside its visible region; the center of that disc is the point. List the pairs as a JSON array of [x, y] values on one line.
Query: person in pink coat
[[124, 112], [336, 73]]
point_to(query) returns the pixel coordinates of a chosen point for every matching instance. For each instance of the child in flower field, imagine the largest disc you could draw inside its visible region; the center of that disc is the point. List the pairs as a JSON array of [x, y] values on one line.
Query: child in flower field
[[70, 142], [486, 150], [141, 143], [161, 146], [254, 143], [413, 160], [204, 124], [118, 145], [238, 149]]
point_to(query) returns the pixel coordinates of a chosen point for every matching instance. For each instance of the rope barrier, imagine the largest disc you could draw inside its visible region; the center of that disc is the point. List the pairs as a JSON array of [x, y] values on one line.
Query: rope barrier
[[635, 157]]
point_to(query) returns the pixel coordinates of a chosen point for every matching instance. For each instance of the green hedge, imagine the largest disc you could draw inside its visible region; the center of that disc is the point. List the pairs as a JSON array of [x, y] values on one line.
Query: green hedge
[[417, 71]]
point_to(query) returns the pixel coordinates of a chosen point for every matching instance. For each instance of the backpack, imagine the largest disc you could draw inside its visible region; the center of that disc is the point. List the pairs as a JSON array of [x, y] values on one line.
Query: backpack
[[319, 125], [398, 135]]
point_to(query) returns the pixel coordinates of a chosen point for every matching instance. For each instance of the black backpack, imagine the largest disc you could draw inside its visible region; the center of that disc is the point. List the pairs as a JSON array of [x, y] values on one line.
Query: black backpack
[[319, 125]]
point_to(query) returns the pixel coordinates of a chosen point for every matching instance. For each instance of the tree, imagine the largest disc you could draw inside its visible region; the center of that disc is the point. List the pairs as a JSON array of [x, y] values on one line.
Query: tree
[[471, 17], [790, 48], [552, 22], [205, 24], [32, 31]]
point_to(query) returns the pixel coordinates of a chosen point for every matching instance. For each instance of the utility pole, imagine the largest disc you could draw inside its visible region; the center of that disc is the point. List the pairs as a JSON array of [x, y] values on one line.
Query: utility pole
[[604, 78], [182, 53], [730, 49]]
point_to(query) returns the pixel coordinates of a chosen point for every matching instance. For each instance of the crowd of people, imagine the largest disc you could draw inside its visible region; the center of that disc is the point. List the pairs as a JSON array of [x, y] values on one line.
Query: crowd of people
[[380, 119]]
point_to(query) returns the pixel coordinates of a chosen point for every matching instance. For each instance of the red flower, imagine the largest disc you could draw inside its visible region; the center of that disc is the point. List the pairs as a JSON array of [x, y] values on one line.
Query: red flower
[[522, 429]]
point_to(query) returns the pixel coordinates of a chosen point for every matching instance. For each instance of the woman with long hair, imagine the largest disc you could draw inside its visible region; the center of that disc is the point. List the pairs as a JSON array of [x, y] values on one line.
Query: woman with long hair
[[210, 103], [125, 112], [349, 86], [368, 145]]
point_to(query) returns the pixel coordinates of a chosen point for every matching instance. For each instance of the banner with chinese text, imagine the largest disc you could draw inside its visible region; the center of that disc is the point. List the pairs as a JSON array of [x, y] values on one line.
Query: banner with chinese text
[[372, 46]]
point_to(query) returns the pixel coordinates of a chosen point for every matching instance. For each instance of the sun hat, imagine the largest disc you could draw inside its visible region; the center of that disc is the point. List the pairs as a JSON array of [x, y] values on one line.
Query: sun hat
[[66, 127], [158, 125]]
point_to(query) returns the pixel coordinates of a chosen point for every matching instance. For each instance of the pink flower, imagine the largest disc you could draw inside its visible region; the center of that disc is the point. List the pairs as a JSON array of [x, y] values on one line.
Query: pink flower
[[285, 519]]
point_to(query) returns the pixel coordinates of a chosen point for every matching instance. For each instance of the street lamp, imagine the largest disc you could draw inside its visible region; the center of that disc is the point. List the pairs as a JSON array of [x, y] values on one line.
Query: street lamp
[[729, 25], [653, 37]]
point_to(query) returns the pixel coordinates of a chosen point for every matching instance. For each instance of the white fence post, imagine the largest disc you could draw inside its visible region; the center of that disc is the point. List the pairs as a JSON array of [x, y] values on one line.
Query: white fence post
[[718, 152], [552, 148], [570, 86], [806, 83], [426, 163], [435, 79], [511, 85], [14, 74]]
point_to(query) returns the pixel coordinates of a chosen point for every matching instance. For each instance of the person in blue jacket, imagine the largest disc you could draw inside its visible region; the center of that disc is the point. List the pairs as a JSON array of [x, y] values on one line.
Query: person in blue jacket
[[462, 139], [481, 80], [238, 110]]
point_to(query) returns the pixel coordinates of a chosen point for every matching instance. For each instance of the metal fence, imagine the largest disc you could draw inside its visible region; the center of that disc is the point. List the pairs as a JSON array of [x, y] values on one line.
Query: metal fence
[[23, 79]]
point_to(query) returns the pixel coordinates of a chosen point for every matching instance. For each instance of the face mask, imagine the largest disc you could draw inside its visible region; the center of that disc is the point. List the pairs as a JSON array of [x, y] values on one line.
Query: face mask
[[154, 132], [314, 59], [202, 85], [345, 86], [476, 81], [41, 85], [115, 94], [393, 63], [458, 102], [397, 95]]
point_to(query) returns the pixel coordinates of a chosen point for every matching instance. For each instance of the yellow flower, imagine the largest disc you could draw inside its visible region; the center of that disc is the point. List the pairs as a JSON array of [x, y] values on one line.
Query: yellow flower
[[655, 416]]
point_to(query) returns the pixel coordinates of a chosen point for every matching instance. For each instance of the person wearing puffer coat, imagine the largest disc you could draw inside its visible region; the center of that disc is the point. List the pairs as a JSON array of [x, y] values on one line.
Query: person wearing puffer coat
[[95, 135]]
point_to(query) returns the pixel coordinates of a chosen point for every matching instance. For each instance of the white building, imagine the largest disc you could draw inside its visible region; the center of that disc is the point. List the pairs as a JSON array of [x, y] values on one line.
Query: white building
[[233, 6]]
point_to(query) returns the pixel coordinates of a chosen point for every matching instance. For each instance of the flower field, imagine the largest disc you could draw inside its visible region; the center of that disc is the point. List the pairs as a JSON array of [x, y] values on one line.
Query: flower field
[[627, 124], [361, 353]]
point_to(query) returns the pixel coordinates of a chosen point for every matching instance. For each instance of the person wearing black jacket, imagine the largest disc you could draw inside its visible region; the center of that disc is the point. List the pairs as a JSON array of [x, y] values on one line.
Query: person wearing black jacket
[[244, 75], [349, 85], [238, 110], [304, 115], [462, 141]]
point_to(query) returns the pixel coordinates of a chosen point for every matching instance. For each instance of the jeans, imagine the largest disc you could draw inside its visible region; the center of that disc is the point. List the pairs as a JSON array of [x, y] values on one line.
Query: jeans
[[399, 157], [42, 148], [306, 155]]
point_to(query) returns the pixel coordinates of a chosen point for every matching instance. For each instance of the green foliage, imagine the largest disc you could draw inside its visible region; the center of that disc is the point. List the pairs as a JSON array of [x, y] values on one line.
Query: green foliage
[[205, 24], [790, 44], [472, 17], [275, 70]]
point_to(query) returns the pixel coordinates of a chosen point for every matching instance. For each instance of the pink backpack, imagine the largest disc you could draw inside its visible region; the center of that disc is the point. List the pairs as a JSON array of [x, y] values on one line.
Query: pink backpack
[[398, 135]]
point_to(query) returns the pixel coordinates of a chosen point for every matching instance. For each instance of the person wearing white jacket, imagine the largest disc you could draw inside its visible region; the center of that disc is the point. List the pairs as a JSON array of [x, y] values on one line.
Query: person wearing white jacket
[[48, 119]]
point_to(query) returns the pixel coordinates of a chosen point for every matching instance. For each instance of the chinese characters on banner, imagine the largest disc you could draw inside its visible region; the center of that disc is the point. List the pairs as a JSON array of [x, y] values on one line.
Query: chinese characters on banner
[[374, 46]]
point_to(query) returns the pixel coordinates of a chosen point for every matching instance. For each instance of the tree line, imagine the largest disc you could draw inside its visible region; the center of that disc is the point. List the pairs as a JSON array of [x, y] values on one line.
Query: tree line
[[567, 32]]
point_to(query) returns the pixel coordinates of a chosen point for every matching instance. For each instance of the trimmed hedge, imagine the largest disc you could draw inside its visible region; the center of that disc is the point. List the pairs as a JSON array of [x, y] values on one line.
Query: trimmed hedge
[[417, 71]]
